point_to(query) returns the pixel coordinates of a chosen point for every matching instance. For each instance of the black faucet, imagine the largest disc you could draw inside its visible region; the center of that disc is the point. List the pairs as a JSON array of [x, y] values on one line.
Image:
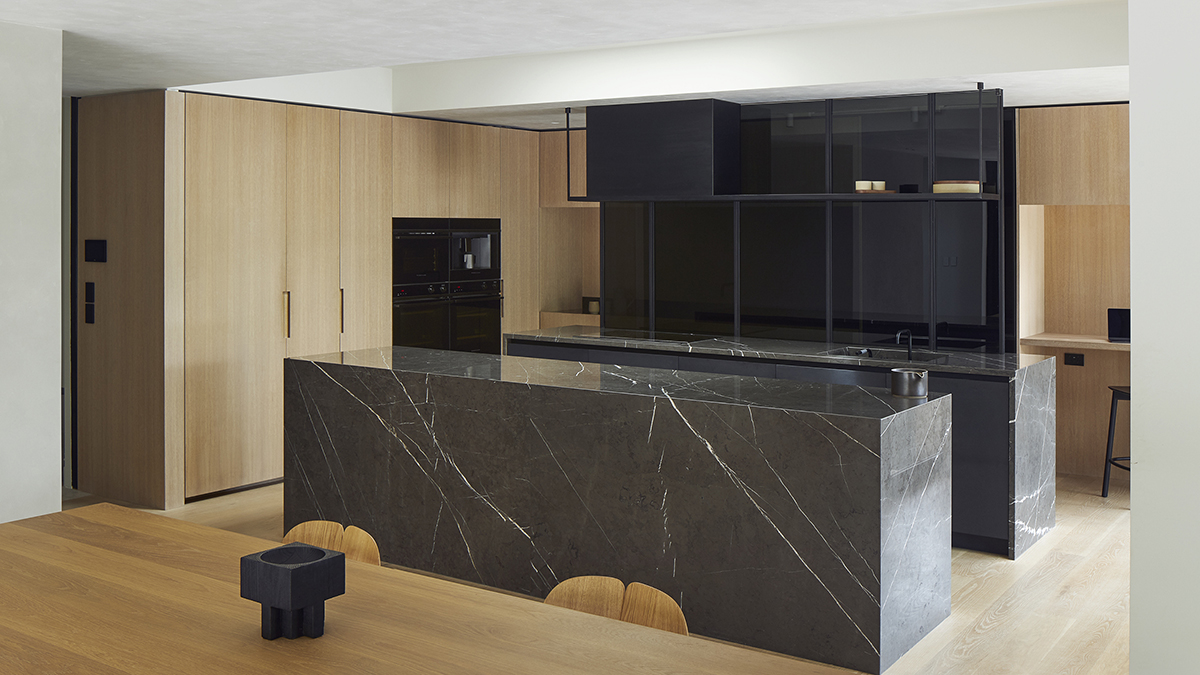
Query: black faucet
[[902, 332]]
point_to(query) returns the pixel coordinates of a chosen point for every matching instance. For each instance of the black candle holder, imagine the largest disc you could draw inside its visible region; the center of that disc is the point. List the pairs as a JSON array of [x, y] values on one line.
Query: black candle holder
[[293, 582]]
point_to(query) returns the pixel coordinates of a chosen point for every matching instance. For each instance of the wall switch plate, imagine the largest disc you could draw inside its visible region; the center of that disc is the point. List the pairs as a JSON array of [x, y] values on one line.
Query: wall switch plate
[[95, 250], [1073, 359]]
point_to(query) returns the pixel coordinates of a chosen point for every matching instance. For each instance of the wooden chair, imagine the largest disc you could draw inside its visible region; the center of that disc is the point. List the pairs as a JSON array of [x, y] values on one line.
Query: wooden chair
[[323, 533], [601, 596], [648, 606], [359, 545]]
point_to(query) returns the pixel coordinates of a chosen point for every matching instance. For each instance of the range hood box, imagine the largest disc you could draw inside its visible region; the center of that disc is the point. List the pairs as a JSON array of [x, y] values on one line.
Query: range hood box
[[664, 149]]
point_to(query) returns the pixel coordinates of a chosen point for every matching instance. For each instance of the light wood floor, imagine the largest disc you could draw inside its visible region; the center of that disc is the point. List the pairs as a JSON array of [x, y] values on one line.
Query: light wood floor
[[1062, 608]]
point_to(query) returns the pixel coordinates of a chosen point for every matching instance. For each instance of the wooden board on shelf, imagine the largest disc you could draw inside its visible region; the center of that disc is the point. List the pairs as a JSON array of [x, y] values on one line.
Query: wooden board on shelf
[[1073, 155], [519, 230], [314, 307], [366, 230], [420, 168], [234, 262]]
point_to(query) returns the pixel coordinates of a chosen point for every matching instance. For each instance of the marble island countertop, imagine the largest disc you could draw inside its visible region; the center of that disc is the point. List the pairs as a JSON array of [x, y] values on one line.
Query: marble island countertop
[[825, 399], [945, 361]]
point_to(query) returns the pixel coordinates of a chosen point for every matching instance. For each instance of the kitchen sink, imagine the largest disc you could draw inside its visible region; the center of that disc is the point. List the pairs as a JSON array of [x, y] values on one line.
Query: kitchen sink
[[888, 354]]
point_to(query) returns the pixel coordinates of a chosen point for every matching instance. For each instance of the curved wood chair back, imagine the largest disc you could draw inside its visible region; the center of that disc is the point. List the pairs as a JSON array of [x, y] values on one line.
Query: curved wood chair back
[[648, 606], [359, 545], [595, 595], [323, 533]]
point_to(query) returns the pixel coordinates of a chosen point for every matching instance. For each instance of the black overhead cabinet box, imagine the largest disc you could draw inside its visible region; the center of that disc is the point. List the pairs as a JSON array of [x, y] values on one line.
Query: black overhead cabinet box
[[671, 148]]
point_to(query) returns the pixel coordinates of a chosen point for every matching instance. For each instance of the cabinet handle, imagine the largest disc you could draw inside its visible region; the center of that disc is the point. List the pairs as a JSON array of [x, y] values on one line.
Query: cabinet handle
[[342, 311], [287, 314]]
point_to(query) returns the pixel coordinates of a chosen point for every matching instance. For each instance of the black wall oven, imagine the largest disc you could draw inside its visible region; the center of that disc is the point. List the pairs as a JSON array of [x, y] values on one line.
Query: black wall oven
[[447, 292], [420, 251]]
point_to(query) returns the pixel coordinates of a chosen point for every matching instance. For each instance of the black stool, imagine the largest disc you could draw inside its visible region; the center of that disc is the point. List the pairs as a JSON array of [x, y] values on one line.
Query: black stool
[[1118, 394]]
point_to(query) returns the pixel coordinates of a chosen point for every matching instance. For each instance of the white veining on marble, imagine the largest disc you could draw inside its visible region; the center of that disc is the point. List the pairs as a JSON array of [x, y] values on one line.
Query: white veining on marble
[[572, 484], [733, 477]]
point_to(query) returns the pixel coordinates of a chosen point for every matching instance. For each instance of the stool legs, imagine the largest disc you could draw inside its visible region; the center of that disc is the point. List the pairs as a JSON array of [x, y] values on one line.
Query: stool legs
[[1112, 430]]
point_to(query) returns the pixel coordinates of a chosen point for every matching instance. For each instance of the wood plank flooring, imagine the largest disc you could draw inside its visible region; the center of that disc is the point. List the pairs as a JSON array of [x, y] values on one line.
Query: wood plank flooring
[[1062, 608]]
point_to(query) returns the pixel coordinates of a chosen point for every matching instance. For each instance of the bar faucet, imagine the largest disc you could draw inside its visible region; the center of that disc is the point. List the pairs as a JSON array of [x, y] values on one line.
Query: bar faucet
[[899, 333]]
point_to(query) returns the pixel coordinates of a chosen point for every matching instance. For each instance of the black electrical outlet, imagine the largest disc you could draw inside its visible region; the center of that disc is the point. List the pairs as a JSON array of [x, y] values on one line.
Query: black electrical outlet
[[1073, 359], [95, 250], [89, 292], [89, 313]]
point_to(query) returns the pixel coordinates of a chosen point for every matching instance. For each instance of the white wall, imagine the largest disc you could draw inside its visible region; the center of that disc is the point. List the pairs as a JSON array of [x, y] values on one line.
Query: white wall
[[1057, 36], [367, 89], [1165, 301], [30, 271]]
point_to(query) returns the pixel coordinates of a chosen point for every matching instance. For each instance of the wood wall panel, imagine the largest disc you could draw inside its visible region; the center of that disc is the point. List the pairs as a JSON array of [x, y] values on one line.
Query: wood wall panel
[[1086, 267], [519, 230], [122, 357], [1031, 270], [553, 170], [549, 320], [474, 171], [1073, 155], [1083, 405], [420, 168], [313, 194], [561, 242], [234, 247], [174, 408], [366, 230], [589, 253]]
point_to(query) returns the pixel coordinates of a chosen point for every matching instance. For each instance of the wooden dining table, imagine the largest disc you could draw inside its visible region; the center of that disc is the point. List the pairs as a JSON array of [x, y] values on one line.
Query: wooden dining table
[[105, 589]]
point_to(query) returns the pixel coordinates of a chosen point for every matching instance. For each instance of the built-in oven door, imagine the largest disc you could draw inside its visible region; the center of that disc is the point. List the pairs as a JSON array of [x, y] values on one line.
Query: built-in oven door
[[421, 322], [420, 257], [475, 324]]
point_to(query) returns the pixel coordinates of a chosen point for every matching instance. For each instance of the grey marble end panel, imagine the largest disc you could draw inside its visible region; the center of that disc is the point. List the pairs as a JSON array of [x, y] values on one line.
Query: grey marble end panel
[[775, 528], [916, 523], [1031, 513]]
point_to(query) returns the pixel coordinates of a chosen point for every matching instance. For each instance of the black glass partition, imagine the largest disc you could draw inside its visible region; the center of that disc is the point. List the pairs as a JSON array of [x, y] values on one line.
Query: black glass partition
[[881, 139], [881, 271], [783, 270], [694, 267], [626, 265], [783, 148]]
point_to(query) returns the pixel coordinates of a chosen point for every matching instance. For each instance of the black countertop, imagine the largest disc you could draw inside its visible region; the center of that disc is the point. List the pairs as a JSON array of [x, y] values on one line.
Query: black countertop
[[826, 399], [884, 356]]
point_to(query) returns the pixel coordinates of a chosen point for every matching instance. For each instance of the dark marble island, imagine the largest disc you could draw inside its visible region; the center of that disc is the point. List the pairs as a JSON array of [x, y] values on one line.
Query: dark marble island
[[808, 519], [1004, 409]]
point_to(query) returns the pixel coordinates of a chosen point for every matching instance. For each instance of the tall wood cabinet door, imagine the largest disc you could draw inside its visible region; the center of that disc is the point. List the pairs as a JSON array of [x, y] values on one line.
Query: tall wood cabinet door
[[366, 233], [519, 230], [420, 168], [313, 308], [474, 171], [233, 313]]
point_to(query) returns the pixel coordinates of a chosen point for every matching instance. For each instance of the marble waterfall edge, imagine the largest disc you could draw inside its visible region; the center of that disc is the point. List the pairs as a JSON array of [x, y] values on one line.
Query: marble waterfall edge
[[812, 520]]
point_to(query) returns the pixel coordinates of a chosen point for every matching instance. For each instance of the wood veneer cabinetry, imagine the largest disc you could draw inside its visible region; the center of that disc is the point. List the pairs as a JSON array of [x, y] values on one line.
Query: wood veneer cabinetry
[[519, 213], [474, 171], [1073, 234], [366, 230], [313, 306], [420, 168], [236, 208], [129, 363]]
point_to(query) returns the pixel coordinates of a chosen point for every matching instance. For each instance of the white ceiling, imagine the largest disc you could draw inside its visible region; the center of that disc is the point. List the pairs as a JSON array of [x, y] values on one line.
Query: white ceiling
[[114, 45]]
